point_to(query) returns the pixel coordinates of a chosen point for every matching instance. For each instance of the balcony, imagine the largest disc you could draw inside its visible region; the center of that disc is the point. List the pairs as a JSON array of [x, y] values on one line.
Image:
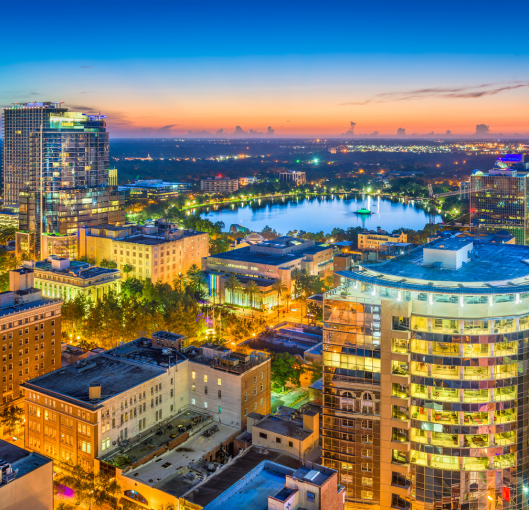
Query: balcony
[[419, 413], [476, 350], [445, 372], [476, 396], [476, 374], [443, 349], [445, 395], [419, 436], [504, 416], [400, 391], [419, 369], [476, 419], [505, 438], [400, 368], [445, 462], [506, 371], [419, 458], [448, 440], [475, 463], [399, 346], [504, 394], [445, 418], [505, 349], [475, 441], [504, 461], [419, 391], [400, 436], [399, 458], [400, 414]]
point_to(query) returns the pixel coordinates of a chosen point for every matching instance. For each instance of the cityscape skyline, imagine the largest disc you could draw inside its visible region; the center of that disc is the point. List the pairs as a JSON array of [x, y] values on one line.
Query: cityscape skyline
[[420, 69]]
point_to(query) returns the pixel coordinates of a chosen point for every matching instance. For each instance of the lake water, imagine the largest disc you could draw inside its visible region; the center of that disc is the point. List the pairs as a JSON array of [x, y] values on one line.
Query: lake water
[[319, 213]]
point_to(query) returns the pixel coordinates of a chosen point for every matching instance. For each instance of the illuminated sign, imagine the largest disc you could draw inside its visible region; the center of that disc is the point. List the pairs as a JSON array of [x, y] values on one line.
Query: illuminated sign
[[511, 158]]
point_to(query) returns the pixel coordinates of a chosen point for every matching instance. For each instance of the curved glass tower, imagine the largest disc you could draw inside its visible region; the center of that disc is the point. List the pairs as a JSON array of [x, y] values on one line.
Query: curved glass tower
[[426, 378]]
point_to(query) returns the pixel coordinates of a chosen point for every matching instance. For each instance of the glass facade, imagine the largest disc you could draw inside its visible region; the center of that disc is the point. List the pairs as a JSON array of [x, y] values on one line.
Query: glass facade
[[56, 167], [503, 206], [425, 400]]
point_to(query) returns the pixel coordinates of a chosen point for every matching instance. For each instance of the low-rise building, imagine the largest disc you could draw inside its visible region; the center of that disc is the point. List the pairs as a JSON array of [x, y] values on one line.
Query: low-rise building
[[159, 251], [89, 410], [244, 181], [31, 330], [65, 279], [26, 479], [264, 263], [271, 485], [8, 218], [219, 185], [154, 189], [373, 240], [294, 176], [295, 434]]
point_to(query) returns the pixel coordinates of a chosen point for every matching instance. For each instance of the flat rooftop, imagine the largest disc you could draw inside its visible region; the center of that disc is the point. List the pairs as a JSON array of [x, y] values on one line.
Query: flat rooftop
[[115, 375], [24, 307], [22, 460], [491, 269], [142, 351], [158, 472], [77, 269], [251, 496]]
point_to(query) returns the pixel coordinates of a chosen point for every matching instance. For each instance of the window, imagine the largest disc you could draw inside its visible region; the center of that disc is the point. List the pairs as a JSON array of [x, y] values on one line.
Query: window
[[193, 375], [205, 378], [367, 424], [367, 468], [368, 439], [311, 496], [263, 435], [278, 440], [219, 394], [367, 453], [291, 444], [219, 382], [193, 401], [367, 495], [367, 482], [205, 405]]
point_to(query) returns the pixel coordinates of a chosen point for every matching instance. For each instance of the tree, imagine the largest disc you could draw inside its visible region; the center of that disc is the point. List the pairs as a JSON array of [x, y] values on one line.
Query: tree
[[11, 417], [90, 488], [279, 287], [110, 264], [285, 369], [73, 313], [316, 371], [250, 290], [232, 283], [288, 297], [127, 268], [7, 234], [132, 287]]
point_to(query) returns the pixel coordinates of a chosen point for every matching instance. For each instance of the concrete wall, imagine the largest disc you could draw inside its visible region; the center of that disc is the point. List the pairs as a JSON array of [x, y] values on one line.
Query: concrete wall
[[33, 491]]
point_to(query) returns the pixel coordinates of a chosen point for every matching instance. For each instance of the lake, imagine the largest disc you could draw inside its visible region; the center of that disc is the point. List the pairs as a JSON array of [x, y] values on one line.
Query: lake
[[319, 213]]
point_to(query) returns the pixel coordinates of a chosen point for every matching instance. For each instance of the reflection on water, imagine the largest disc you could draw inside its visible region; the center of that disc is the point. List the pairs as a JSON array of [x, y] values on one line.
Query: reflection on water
[[320, 213]]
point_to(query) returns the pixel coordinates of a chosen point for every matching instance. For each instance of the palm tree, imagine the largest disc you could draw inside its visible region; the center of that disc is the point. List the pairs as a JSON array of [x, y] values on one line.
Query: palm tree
[[250, 290], [280, 288], [288, 297], [231, 284], [179, 283], [127, 268]]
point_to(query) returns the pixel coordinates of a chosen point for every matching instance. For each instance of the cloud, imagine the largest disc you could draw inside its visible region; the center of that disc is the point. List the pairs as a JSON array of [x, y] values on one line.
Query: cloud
[[240, 132], [166, 128], [34, 94], [84, 109], [465, 92]]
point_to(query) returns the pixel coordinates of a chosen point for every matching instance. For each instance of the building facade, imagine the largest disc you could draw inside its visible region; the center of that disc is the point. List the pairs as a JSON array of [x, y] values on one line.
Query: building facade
[[219, 185], [499, 202], [30, 327], [373, 240], [56, 168], [293, 176], [154, 189], [425, 357], [263, 263], [65, 279], [159, 251], [89, 409]]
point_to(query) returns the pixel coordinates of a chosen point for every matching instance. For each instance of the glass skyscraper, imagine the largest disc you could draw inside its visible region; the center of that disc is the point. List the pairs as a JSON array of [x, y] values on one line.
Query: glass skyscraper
[[56, 168], [425, 379]]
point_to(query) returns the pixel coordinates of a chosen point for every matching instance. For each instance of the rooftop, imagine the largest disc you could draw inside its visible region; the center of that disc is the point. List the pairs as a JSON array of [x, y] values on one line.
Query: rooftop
[[491, 269], [116, 375], [21, 460], [287, 427], [255, 494], [76, 268], [142, 351]]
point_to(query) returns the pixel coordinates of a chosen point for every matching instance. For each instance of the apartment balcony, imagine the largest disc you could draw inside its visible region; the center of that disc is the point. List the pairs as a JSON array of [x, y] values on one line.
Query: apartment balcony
[[445, 418], [504, 461], [400, 485], [504, 416], [445, 462], [505, 438], [475, 463], [476, 441], [446, 440], [476, 419]]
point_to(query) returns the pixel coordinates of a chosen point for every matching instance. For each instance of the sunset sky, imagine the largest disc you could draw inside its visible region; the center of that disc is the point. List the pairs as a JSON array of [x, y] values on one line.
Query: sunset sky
[[305, 68]]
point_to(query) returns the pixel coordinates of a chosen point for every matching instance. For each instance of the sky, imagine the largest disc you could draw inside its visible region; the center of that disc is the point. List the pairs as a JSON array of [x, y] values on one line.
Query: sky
[[304, 68]]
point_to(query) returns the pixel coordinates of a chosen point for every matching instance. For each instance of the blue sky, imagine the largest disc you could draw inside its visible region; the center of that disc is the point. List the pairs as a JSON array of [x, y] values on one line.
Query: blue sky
[[310, 67]]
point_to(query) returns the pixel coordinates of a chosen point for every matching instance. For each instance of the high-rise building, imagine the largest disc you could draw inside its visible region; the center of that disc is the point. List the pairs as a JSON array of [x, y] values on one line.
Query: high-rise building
[[424, 378], [499, 201], [56, 168]]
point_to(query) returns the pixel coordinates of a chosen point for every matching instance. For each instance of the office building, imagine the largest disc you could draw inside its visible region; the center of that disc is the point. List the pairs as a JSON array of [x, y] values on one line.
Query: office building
[[159, 251], [371, 240], [499, 201], [264, 263], [65, 279], [293, 176], [244, 181], [31, 333], [56, 170], [154, 189], [26, 479], [424, 373], [109, 401], [8, 218], [219, 185]]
